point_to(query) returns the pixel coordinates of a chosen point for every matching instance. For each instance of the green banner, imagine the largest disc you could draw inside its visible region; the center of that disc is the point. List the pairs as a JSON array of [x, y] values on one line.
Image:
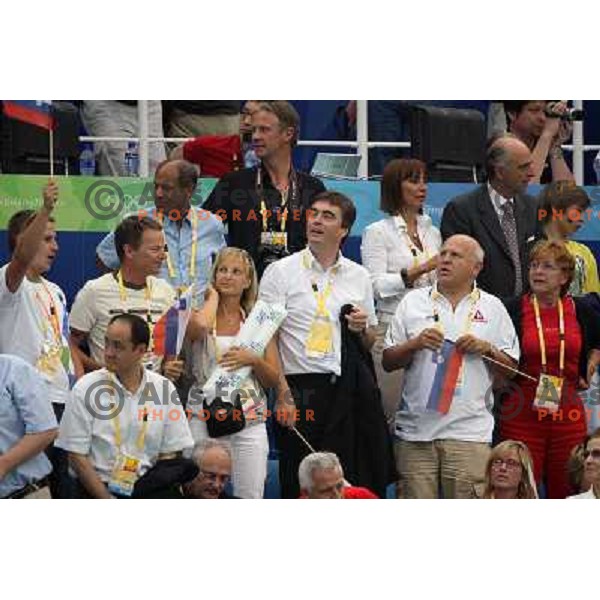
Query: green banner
[[85, 203]]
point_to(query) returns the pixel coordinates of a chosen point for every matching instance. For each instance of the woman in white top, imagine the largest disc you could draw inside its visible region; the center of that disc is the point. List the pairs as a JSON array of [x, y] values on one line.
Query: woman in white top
[[400, 252], [229, 298]]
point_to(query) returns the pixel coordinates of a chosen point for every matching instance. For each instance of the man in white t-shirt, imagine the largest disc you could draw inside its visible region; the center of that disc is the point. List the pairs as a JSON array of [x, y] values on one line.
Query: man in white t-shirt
[[444, 424], [313, 285], [133, 289], [33, 312], [122, 419]]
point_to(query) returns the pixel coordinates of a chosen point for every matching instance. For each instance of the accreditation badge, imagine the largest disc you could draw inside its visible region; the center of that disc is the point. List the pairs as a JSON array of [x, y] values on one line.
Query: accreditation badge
[[548, 392], [49, 360], [320, 337], [274, 238], [124, 475]]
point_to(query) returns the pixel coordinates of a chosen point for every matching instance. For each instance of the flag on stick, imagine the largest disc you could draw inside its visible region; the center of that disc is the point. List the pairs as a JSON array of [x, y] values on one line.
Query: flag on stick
[[169, 330], [449, 365]]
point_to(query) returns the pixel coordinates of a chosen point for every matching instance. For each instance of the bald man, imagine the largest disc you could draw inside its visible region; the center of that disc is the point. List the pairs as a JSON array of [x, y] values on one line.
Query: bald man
[[444, 425], [500, 216]]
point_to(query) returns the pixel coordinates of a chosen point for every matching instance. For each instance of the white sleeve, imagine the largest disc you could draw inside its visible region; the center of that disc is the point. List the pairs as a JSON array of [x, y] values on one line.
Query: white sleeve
[[505, 336], [6, 296], [176, 433], [75, 434], [396, 333], [369, 303], [272, 286], [374, 258], [82, 316]]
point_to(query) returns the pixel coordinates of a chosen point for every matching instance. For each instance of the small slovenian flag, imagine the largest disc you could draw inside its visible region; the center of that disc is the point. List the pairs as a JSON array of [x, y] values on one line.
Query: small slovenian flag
[[450, 362], [169, 330], [34, 112]]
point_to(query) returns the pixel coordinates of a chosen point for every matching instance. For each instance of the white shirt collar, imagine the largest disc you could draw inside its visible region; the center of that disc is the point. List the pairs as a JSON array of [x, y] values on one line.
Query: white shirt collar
[[312, 263], [422, 221], [497, 200]]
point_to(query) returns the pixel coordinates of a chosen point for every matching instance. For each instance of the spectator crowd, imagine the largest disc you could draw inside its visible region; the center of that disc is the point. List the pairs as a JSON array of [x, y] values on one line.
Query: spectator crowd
[[458, 362]]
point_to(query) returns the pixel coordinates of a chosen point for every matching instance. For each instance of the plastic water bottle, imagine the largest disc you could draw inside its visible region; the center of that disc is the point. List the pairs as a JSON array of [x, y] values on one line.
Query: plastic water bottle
[[87, 161], [132, 160], [597, 168]]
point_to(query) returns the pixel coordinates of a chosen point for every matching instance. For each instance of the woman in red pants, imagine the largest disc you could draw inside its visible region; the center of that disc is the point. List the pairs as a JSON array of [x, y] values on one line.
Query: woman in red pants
[[560, 350]]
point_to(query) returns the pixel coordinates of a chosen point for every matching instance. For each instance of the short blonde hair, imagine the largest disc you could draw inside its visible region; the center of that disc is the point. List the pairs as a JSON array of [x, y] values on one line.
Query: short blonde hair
[[250, 294], [526, 489], [558, 252]]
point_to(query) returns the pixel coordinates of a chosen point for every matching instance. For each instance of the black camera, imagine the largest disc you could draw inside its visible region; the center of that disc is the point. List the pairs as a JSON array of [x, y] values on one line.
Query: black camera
[[270, 253], [571, 114]]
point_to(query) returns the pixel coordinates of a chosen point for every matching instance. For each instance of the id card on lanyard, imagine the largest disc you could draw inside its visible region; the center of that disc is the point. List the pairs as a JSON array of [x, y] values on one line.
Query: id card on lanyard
[[127, 466], [549, 390], [319, 343], [275, 238]]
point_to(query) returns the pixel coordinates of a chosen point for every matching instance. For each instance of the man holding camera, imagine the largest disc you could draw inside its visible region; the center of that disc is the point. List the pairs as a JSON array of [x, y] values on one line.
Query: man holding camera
[[265, 206], [543, 126]]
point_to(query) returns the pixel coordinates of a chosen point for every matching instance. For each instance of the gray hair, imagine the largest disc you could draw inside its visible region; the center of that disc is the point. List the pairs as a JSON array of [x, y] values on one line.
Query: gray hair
[[314, 462], [202, 446]]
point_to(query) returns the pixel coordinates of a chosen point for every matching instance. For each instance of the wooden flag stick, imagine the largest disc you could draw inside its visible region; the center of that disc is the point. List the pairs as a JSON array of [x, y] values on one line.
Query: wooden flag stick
[[51, 153]]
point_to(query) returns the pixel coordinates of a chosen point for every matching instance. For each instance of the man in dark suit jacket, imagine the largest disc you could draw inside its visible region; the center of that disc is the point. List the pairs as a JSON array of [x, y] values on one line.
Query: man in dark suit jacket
[[478, 214]]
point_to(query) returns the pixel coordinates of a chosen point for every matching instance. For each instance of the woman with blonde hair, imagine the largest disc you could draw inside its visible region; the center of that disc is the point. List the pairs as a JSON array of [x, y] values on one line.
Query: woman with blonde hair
[[559, 336], [509, 473], [230, 297]]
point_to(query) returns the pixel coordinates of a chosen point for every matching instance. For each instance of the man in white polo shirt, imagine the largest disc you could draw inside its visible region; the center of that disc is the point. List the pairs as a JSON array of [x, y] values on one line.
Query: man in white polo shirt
[[444, 423], [122, 419], [133, 289], [33, 314], [313, 285]]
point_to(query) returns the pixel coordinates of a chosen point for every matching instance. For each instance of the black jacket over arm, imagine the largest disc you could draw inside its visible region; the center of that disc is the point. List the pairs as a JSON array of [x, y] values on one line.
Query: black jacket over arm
[[473, 214], [357, 431]]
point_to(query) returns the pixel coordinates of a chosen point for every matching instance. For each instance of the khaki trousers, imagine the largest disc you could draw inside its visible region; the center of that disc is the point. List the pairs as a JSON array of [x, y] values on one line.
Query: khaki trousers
[[455, 468]]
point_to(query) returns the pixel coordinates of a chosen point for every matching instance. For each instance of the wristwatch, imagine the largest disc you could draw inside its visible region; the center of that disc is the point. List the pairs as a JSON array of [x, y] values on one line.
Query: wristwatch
[[404, 275]]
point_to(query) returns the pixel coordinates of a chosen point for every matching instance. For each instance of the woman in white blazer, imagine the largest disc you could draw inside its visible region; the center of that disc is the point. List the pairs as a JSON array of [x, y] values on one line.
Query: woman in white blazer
[[400, 252]]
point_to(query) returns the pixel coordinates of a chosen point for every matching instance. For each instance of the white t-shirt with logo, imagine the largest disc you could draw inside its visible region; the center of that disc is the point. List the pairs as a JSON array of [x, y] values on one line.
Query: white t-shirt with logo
[[470, 415], [99, 300], [26, 330]]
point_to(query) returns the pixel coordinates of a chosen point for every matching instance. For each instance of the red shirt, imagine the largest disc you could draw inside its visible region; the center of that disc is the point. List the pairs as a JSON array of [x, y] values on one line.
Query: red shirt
[[531, 358]]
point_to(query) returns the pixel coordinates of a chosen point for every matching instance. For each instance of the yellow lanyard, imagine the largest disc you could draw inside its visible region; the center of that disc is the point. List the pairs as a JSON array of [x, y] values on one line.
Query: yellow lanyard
[[282, 206], [51, 316], [542, 339], [192, 269], [147, 298], [321, 296], [414, 250], [473, 298], [116, 421]]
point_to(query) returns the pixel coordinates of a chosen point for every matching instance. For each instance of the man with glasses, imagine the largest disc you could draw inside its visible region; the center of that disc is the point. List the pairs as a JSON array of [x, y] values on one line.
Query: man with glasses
[[122, 419], [213, 459], [591, 467]]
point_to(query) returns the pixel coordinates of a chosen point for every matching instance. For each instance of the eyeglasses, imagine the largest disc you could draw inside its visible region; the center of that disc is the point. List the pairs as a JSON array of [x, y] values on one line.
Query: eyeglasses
[[595, 453], [509, 463], [543, 266], [215, 477]]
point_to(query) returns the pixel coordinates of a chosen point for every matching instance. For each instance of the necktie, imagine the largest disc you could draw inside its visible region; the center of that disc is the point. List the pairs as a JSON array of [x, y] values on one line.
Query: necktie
[[509, 227]]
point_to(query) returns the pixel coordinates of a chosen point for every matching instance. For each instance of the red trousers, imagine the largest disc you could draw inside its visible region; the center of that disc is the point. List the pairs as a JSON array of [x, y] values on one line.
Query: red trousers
[[549, 437]]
